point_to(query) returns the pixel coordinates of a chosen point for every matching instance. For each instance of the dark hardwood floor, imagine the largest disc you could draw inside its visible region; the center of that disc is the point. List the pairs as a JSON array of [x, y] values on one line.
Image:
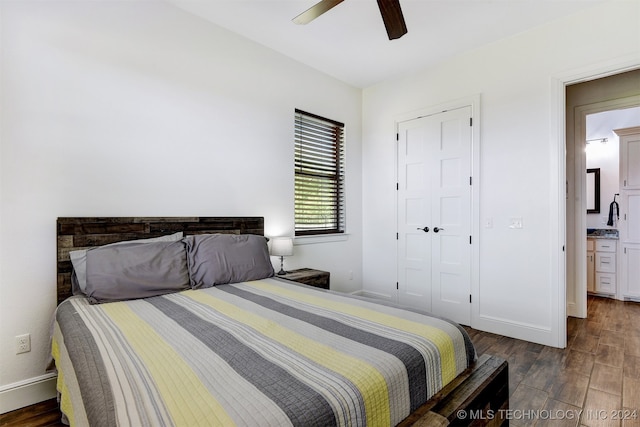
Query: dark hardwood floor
[[39, 415], [593, 382]]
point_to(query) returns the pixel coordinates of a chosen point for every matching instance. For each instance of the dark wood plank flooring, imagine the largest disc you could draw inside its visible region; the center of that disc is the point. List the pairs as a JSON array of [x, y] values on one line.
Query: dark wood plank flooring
[[593, 382], [43, 414]]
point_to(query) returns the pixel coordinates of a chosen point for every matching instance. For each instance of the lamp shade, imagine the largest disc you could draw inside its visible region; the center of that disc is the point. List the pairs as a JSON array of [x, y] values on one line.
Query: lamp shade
[[281, 246]]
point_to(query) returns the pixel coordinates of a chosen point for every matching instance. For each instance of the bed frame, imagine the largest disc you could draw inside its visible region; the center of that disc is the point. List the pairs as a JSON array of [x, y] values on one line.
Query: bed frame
[[477, 397]]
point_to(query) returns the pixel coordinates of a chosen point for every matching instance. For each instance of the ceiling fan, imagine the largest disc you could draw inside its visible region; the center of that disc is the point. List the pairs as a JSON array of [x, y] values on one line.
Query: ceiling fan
[[389, 9]]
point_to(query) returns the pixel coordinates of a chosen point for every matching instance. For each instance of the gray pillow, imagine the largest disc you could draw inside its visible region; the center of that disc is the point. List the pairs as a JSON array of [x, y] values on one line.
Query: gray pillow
[[136, 270], [216, 259], [79, 259]]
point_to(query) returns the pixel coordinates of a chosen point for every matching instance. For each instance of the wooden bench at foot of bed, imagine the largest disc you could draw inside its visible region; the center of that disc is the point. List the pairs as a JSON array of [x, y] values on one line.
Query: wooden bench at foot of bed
[[477, 397]]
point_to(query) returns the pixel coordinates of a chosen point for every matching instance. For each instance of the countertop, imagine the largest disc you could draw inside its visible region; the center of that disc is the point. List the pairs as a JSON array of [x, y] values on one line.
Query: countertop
[[602, 233]]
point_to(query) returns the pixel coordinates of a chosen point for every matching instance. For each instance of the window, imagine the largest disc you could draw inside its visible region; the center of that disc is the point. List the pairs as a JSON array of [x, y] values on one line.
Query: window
[[319, 175]]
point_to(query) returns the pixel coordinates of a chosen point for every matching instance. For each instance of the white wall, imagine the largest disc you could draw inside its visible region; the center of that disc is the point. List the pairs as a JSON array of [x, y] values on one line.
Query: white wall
[[139, 108], [518, 290]]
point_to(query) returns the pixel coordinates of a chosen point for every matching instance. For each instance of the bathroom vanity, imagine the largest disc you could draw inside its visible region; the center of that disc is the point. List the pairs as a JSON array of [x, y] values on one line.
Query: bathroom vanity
[[602, 266]]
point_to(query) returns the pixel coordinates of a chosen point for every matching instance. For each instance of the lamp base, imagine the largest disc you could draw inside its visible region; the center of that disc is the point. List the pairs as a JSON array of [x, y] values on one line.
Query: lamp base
[[281, 272]]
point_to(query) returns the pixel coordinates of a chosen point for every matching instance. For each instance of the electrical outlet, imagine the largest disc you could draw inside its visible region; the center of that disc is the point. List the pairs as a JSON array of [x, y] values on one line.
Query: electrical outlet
[[23, 343]]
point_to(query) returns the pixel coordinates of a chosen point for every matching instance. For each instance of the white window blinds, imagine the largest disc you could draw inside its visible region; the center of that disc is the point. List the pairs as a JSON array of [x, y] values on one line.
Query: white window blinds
[[319, 175]]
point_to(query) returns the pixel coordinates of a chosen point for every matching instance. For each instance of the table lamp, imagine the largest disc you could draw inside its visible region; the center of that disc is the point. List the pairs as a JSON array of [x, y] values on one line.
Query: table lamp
[[282, 247]]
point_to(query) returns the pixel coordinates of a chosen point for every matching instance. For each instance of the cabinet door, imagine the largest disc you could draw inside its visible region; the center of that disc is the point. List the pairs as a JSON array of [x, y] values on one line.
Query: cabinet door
[[630, 270], [630, 216], [591, 272], [630, 158]]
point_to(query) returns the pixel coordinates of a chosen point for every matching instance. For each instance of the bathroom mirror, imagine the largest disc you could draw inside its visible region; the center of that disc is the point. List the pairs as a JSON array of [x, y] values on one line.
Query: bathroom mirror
[[593, 190]]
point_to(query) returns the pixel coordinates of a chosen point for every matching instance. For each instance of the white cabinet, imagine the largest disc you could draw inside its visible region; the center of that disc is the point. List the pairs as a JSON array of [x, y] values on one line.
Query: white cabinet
[[630, 272], [604, 266], [629, 158], [629, 226]]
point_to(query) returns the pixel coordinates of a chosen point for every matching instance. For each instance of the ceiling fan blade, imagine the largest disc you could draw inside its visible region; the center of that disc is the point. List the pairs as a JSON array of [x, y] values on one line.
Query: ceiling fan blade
[[316, 10], [393, 18]]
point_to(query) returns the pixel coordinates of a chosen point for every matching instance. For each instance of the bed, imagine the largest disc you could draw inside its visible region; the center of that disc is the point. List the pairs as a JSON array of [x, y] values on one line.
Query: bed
[[216, 339]]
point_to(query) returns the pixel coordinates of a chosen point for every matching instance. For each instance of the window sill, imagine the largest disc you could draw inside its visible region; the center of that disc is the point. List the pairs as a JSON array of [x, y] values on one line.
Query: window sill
[[321, 238]]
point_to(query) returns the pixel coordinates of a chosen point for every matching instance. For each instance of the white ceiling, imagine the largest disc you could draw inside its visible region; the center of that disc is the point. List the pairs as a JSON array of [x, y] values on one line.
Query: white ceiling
[[350, 42]]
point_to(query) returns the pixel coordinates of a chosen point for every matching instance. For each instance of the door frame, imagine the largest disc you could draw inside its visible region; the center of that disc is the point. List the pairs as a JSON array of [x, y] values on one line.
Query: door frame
[[558, 183], [580, 165], [472, 101]]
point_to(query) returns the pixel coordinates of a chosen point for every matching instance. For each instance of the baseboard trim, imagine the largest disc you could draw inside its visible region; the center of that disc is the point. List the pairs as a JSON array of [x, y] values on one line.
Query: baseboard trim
[[28, 392]]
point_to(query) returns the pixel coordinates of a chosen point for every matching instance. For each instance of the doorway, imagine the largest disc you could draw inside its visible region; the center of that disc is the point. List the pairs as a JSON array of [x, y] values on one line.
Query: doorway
[[616, 92]]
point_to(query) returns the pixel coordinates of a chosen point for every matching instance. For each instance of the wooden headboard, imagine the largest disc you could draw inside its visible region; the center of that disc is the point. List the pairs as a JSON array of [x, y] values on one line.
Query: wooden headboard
[[85, 232]]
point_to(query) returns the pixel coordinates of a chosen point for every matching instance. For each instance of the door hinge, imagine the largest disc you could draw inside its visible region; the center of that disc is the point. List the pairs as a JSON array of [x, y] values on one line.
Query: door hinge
[[397, 186], [397, 136], [469, 298], [397, 236], [397, 287], [470, 180], [470, 121], [470, 240]]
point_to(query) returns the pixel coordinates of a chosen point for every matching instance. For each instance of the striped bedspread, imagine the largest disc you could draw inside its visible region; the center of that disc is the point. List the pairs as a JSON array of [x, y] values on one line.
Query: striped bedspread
[[260, 353]]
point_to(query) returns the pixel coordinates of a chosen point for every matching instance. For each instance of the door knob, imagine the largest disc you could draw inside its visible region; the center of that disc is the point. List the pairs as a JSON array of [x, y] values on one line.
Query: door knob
[[436, 229], [426, 229]]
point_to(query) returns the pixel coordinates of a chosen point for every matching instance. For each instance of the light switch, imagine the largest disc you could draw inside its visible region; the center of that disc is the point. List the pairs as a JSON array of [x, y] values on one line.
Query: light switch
[[515, 223]]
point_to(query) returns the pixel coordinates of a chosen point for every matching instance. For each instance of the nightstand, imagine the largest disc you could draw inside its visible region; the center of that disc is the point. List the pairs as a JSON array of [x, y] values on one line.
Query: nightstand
[[308, 276]]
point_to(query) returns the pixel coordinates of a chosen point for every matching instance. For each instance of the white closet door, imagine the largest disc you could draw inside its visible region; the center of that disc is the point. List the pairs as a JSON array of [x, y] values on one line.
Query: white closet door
[[434, 214]]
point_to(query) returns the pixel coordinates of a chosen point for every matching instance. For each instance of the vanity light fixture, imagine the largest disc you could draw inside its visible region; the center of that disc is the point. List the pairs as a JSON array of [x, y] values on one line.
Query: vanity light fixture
[[600, 140]]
